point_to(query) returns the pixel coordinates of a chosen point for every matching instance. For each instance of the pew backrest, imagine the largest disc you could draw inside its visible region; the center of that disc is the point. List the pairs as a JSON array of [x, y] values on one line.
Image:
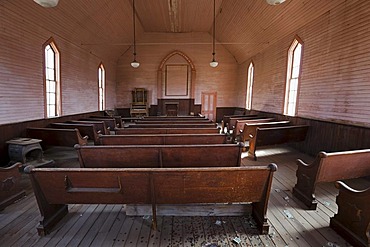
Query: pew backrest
[[136, 131], [109, 122], [54, 188], [190, 121], [250, 129], [329, 167], [85, 129], [119, 122], [214, 155], [57, 137], [276, 135], [174, 125], [239, 125], [163, 139], [100, 126]]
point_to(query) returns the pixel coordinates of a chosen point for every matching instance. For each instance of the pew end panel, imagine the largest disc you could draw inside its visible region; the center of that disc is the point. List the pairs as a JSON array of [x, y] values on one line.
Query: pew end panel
[[329, 167], [306, 174], [56, 188], [10, 187], [352, 221]]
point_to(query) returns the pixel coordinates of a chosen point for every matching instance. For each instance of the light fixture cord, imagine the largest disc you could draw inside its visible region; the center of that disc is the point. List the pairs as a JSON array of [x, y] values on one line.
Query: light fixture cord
[[214, 28], [133, 20]]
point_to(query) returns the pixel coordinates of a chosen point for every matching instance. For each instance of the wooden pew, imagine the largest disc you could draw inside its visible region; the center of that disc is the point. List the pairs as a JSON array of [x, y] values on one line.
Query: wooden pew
[[57, 137], [352, 222], [136, 131], [250, 129], [109, 122], [174, 125], [329, 167], [100, 126], [174, 122], [10, 187], [225, 122], [276, 135], [119, 122], [163, 139], [239, 126], [154, 156], [55, 188], [85, 129], [150, 118]]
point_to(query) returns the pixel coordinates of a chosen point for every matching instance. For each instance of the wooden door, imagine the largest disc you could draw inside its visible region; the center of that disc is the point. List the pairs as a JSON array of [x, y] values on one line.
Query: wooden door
[[209, 101]]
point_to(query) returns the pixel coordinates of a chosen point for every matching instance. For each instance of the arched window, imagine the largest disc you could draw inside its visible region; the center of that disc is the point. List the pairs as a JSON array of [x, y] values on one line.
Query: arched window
[[101, 85], [52, 80], [293, 76], [248, 100]]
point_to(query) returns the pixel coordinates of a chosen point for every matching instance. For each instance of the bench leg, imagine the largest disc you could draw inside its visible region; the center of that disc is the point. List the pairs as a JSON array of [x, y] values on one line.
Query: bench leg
[[51, 216], [306, 196], [259, 215]]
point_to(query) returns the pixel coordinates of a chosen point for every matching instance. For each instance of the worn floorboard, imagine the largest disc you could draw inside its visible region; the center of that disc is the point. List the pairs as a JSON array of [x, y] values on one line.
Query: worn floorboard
[[108, 225]]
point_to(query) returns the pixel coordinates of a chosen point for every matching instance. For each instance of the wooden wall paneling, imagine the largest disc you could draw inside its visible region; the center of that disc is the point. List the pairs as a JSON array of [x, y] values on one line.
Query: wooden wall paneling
[[221, 79], [334, 83], [21, 95], [327, 136]]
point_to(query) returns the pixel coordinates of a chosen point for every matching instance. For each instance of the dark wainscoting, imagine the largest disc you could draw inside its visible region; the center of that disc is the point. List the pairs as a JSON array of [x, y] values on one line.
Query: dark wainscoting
[[154, 110], [124, 112], [327, 136], [13, 130], [222, 111], [185, 106]]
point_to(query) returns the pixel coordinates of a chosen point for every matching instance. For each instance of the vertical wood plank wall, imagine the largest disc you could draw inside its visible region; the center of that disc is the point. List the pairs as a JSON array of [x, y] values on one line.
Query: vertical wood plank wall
[[221, 79], [21, 67], [335, 79]]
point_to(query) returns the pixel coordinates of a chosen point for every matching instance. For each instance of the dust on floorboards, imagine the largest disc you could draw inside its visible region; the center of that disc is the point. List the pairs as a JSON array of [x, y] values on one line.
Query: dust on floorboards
[[108, 225]]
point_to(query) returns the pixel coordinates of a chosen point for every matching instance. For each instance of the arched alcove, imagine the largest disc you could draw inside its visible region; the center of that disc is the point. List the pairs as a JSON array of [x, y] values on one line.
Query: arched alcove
[[179, 68], [175, 84]]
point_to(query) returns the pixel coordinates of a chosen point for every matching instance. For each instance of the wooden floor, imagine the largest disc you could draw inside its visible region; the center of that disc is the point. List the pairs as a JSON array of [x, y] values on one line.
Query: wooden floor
[[108, 225]]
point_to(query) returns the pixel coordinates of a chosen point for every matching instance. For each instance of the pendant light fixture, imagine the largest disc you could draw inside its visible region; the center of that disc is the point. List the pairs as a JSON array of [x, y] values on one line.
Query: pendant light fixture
[[275, 2], [134, 63], [214, 63], [47, 3]]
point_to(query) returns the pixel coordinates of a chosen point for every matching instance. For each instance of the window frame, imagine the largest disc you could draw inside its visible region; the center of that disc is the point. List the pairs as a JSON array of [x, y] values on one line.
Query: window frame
[[288, 85], [249, 89], [58, 95], [101, 81]]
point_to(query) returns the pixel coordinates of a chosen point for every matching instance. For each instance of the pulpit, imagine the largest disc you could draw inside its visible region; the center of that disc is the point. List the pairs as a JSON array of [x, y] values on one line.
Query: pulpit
[[172, 108]]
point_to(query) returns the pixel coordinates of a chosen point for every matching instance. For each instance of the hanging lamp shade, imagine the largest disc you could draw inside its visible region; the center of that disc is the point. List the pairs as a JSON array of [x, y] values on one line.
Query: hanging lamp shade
[[275, 2], [47, 3]]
